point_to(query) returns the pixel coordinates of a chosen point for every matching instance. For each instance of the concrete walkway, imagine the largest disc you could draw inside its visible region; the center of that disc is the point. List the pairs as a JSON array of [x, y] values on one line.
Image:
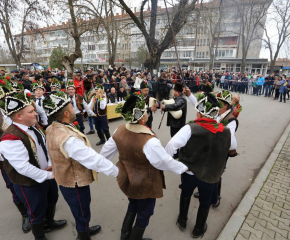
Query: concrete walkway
[[264, 212]]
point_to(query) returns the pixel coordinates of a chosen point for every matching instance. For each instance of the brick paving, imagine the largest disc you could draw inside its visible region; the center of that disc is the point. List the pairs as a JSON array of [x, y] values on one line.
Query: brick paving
[[269, 217]]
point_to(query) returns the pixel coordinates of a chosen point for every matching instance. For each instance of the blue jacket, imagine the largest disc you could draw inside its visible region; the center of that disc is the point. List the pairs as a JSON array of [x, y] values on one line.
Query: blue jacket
[[282, 88], [261, 81]]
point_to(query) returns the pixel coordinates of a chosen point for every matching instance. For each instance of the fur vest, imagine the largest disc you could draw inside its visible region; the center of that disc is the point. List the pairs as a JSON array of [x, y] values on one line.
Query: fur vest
[[97, 109], [67, 171], [137, 178], [205, 153]]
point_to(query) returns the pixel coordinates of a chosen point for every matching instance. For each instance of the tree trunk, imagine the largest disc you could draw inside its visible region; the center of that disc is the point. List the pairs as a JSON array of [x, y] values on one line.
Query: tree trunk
[[68, 63], [211, 61], [153, 62], [18, 63], [243, 64], [272, 65], [112, 58]]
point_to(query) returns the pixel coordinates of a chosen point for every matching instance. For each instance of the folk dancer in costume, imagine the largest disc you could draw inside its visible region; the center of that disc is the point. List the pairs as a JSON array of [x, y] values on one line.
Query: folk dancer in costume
[[89, 92], [191, 98], [38, 90], [74, 162], [150, 110], [180, 104], [204, 146], [27, 164], [5, 122], [99, 107], [228, 114], [78, 103], [148, 160], [55, 85]]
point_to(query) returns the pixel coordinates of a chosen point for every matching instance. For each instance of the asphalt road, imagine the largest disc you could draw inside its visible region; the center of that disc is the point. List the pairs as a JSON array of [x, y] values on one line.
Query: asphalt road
[[261, 124]]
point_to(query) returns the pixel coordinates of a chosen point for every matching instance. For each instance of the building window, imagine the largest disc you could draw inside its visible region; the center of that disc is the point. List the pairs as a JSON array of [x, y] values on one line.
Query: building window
[[222, 41], [91, 47], [167, 54], [207, 54], [186, 54]]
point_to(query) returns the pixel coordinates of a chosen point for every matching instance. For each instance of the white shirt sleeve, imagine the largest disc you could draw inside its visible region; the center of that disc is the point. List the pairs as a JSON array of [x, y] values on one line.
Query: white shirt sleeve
[[17, 155], [109, 150], [7, 119], [42, 114], [103, 103], [88, 157], [179, 140], [88, 108], [192, 99], [159, 159], [232, 126]]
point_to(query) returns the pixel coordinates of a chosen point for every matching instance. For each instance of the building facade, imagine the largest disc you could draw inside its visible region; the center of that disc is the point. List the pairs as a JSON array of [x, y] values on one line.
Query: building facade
[[194, 43]]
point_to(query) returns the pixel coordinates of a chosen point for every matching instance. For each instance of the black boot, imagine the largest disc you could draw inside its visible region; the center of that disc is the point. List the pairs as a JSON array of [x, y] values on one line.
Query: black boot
[[127, 225], [102, 139], [183, 211], [26, 227], [84, 236], [50, 223], [90, 132], [137, 234], [200, 226], [219, 195], [37, 231], [196, 195], [92, 231], [108, 135]]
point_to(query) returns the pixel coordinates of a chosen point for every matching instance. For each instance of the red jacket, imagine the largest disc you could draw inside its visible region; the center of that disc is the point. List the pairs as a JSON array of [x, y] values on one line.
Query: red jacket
[[79, 87]]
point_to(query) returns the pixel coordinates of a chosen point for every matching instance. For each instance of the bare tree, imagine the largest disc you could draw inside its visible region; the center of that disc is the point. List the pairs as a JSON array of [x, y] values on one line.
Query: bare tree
[[25, 13], [155, 47], [280, 19], [251, 15], [5, 55], [210, 16], [103, 11], [77, 26]]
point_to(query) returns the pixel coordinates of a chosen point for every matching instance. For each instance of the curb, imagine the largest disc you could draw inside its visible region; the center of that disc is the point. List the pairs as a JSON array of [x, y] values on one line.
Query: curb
[[232, 228]]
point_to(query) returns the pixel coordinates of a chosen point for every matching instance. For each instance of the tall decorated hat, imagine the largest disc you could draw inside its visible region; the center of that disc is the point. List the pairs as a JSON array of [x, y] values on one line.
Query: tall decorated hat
[[37, 84], [55, 83], [206, 87], [15, 101], [144, 84], [69, 83], [18, 87], [55, 101], [99, 86], [208, 105], [133, 109], [5, 86], [225, 96]]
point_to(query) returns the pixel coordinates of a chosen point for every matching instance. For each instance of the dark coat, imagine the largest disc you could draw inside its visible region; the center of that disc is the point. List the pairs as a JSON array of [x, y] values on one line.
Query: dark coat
[[26, 84], [180, 104]]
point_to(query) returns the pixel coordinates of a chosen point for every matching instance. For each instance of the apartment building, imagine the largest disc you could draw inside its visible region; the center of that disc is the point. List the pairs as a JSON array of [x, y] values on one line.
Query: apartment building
[[193, 44]]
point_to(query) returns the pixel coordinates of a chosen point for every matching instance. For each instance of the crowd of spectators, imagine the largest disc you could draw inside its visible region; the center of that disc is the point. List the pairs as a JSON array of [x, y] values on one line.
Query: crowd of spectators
[[118, 82]]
